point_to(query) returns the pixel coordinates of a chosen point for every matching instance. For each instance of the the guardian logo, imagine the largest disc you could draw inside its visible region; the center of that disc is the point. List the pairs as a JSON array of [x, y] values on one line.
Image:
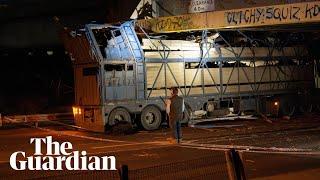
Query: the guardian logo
[[59, 157]]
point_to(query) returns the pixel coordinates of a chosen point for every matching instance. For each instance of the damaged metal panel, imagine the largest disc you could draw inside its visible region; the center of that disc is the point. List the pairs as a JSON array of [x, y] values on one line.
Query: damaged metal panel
[[121, 42], [77, 46]]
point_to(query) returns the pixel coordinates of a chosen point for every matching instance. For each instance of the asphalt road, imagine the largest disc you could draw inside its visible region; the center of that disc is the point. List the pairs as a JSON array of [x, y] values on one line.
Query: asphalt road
[[284, 149]]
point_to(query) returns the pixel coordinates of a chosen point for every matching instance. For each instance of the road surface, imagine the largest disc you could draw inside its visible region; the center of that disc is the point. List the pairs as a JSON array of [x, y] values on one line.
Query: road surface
[[283, 149]]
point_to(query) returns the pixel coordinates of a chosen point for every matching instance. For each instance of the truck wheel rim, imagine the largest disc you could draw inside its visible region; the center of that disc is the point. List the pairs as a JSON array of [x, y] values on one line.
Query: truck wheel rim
[[150, 118], [118, 117]]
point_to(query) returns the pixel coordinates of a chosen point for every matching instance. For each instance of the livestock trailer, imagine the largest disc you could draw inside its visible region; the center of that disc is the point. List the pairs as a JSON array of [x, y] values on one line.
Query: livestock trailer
[[123, 71]]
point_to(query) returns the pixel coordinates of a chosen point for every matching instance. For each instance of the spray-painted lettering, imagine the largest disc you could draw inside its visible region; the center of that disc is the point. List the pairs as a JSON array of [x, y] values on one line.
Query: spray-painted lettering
[[174, 23], [272, 13], [312, 11]]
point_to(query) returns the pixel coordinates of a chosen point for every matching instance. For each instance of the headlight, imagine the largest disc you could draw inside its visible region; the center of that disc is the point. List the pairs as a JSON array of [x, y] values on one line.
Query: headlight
[[76, 110]]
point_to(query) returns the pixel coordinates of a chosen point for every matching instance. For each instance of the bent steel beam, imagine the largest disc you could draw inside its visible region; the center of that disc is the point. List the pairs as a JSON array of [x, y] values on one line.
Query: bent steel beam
[[276, 15]]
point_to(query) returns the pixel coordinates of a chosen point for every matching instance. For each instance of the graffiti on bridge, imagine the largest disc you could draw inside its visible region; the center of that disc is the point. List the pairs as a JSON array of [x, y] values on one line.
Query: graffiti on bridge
[[173, 24], [277, 14], [247, 17]]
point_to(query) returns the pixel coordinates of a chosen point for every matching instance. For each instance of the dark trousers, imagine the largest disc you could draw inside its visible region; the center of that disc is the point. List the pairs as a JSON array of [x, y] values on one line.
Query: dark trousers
[[176, 127]]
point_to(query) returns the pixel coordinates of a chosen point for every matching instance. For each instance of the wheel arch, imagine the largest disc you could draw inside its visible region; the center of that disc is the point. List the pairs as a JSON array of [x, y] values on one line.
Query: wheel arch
[[155, 105]]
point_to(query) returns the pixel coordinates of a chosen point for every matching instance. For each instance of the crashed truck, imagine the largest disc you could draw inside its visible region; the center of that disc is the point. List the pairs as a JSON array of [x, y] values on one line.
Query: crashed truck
[[123, 71]]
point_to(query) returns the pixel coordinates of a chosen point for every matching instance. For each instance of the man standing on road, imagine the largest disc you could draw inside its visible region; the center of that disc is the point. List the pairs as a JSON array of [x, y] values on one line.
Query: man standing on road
[[176, 114]]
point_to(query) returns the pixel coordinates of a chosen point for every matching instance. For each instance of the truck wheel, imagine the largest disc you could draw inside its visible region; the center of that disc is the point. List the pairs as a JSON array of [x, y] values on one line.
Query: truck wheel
[[151, 118], [117, 115]]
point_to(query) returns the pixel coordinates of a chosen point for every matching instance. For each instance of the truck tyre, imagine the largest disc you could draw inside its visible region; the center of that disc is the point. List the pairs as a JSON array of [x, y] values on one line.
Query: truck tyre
[[117, 115], [151, 118]]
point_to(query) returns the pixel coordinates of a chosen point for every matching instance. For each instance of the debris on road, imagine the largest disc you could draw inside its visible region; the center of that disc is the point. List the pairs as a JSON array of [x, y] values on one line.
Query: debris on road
[[122, 128], [265, 118], [286, 117], [215, 126], [231, 117]]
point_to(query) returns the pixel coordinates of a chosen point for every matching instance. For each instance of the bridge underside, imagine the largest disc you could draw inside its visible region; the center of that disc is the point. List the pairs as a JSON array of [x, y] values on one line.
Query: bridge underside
[[298, 14]]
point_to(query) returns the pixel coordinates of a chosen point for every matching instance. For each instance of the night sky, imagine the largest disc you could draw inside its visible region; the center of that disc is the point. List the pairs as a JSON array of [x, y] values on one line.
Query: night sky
[[36, 75]]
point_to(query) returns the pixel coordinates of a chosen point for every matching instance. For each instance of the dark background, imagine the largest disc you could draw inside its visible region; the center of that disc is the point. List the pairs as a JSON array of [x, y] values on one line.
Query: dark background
[[35, 74]]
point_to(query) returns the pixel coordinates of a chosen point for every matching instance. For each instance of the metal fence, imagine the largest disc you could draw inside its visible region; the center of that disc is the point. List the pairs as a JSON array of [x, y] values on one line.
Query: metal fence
[[212, 167]]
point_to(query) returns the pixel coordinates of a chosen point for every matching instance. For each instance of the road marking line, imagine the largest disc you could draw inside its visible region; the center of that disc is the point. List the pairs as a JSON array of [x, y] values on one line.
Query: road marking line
[[68, 125], [280, 152], [262, 152], [127, 150], [114, 151], [248, 148], [258, 134], [130, 144], [80, 136]]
